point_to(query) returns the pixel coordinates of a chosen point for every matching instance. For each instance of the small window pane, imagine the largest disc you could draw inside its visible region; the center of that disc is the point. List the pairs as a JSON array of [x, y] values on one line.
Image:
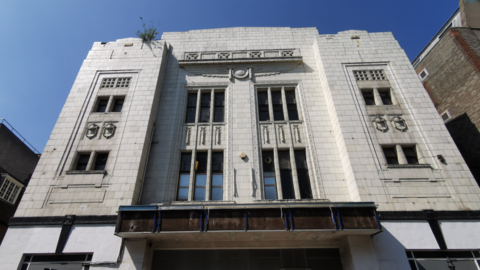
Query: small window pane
[[82, 162], [263, 106], [185, 162], [277, 106], [201, 180], [201, 164], [286, 175], [368, 97], [100, 162], [217, 162], [302, 173], [217, 194], [184, 180], [390, 155], [102, 105], [385, 96], [118, 105], [182, 194], [270, 193], [219, 107], [199, 194], [291, 105], [217, 180], [191, 108], [205, 115], [410, 154], [205, 107], [269, 180]]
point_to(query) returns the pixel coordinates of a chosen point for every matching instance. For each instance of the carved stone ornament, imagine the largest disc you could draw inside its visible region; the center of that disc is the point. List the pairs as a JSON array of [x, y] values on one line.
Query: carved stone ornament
[[187, 135], [296, 132], [380, 124], [266, 136], [241, 73], [203, 134], [109, 130], [399, 123], [92, 130], [281, 133], [218, 135]]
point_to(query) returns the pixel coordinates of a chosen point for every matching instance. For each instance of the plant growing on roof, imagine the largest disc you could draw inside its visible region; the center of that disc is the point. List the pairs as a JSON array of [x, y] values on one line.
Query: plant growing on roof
[[147, 34]]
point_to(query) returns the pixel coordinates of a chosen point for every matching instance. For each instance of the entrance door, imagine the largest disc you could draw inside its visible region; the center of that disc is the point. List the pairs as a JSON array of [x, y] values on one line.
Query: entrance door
[[252, 259]]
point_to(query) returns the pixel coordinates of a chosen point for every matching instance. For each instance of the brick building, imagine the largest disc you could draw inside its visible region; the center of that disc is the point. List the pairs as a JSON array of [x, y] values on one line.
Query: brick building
[[248, 148], [449, 67], [17, 162]]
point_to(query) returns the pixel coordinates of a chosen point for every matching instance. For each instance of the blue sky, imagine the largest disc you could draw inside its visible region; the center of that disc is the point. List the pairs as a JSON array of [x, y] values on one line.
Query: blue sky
[[44, 42]]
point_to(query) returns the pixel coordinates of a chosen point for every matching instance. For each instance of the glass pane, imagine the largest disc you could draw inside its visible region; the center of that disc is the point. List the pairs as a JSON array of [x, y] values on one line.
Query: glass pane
[[217, 194], [118, 105], [278, 113], [268, 161], [264, 115], [269, 180], [270, 193], [182, 194], [277, 97], [206, 98], [385, 96], [102, 105], [205, 114], [410, 154], [287, 184], [284, 157], [217, 161], [101, 162], [262, 98], [199, 194], [201, 166], [184, 180], [217, 180], [219, 113], [290, 96], [368, 96], [192, 100], [292, 112], [201, 180], [82, 162], [219, 99], [390, 155], [190, 115], [185, 162]]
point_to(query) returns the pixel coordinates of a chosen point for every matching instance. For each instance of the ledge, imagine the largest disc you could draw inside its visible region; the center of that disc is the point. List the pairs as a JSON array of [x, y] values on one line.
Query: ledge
[[58, 220], [86, 172], [408, 166], [294, 59]]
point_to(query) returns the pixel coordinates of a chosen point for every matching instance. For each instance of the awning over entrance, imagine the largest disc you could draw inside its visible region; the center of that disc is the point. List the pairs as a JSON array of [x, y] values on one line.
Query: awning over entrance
[[346, 218]]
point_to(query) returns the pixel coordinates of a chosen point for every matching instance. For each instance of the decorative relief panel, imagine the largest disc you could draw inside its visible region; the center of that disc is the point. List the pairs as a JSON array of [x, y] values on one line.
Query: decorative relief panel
[[91, 131], [188, 134], [296, 133], [399, 123], [281, 133], [266, 135], [389, 123], [241, 54], [218, 135], [109, 130], [380, 124], [203, 135]]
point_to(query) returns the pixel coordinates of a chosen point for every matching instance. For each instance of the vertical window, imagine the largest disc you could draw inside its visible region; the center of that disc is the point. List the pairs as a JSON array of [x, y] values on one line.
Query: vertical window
[[205, 107], [410, 154], [368, 96], [9, 190], [277, 106], [385, 96], [390, 155], [264, 115], [82, 162], [118, 104], [269, 175], [217, 176], [286, 174], [219, 107], [184, 181], [291, 105], [101, 161], [302, 173], [200, 176], [102, 105], [191, 108]]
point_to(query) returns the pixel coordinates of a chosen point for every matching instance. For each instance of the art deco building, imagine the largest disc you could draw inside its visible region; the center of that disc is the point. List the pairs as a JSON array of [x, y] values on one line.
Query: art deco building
[[248, 148]]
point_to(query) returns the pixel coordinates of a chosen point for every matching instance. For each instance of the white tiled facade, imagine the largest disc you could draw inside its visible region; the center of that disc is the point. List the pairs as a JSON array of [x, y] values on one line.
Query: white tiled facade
[[338, 131]]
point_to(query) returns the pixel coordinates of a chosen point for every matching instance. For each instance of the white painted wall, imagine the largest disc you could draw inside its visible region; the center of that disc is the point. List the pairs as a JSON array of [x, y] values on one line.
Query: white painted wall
[[463, 234], [98, 239], [410, 234], [390, 252]]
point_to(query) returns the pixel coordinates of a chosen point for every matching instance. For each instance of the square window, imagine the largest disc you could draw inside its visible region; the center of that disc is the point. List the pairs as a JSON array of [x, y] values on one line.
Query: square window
[[377, 75], [108, 83], [410, 154], [118, 104], [385, 96], [82, 162], [102, 104], [361, 75], [100, 161], [368, 96], [123, 83], [390, 154]]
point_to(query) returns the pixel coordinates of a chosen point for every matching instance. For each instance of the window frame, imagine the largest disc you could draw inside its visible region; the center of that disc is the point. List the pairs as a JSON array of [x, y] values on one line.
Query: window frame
[[402, 159], [284, 104], [110, 103], [199, 92], [92, 161], [16, 189], [209, 172]]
